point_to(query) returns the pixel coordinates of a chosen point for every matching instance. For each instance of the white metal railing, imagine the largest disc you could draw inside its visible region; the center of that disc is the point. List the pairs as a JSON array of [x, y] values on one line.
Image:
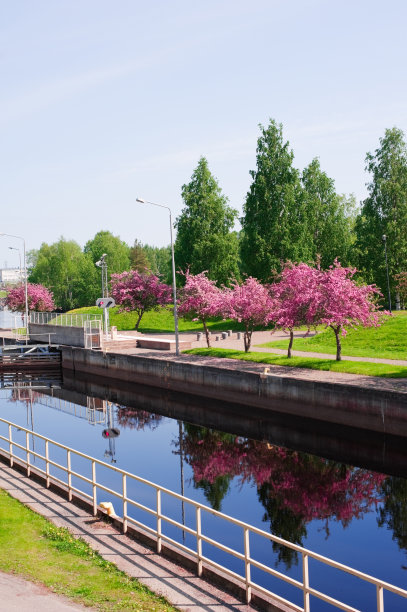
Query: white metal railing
[[63, 319], [197, 532]]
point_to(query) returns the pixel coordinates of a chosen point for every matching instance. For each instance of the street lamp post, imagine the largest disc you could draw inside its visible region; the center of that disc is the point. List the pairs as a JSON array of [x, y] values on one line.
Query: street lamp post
[[174, 286], [25, 275], [384, 238]]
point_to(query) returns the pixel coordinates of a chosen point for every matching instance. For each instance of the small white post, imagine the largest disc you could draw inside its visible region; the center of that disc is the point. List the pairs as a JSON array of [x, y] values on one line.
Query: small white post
[[159, 540], [247, 565], [199, 539], [47, 462], [95, 508], [379, 594], [124, 503], [68, 462], [10, 442], [305, 582], [27, 451]]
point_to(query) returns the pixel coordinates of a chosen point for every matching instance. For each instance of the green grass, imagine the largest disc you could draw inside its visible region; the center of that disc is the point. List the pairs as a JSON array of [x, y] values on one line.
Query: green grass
[[386, 342], [160, 321], [32, 547], [352, 367], [3, 293]]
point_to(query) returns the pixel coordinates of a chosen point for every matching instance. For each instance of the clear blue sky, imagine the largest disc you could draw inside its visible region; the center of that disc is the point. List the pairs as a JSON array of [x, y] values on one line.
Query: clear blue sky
[[105, 101]]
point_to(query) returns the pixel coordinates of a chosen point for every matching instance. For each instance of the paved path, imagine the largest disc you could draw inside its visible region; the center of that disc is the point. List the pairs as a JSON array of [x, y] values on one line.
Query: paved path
[[181, 587]]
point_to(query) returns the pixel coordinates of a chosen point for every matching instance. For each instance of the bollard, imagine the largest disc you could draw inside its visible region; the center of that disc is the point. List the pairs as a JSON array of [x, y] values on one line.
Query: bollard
[[224, 335], [199, 336], [239, 335], [216, 337], [230, 332]]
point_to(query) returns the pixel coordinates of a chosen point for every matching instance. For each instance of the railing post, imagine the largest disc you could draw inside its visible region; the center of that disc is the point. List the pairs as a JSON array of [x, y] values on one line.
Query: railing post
[[199, 539], [158, 520], [305, 582], [379, 595], [47, 463], [27, 451], [124, 482], [10, 443], [68, 465], [247, 565], [95, 506]]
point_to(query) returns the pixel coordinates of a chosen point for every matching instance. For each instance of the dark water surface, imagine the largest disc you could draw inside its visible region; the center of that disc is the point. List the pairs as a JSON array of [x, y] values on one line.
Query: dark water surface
[[347, 512]]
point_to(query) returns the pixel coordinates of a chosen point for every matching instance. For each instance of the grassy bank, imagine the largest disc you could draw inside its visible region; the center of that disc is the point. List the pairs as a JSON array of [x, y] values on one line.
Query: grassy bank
[[386, 342], [160, 321], [352, 367], [32, 547]]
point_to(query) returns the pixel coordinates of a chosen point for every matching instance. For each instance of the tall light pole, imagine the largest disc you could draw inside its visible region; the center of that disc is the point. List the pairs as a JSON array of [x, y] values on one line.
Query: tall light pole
[[25, 274], [174, 286], [384, 238], [19, 255]]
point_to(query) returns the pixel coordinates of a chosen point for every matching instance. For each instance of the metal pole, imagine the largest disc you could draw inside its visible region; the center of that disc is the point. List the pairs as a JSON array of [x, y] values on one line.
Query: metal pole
[[174, 284], [387, 269], [25, 277]]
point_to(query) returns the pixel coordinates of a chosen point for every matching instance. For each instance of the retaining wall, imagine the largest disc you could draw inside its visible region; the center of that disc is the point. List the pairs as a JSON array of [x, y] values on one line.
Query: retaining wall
[[373, 409], [57, 334]]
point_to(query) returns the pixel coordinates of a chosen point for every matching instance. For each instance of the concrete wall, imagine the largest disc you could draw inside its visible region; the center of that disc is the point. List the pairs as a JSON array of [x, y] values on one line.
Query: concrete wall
[[58, 334], [343, 404]]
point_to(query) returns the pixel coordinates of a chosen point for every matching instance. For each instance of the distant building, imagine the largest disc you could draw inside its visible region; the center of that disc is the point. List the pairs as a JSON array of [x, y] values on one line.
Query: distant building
[[10, 276]]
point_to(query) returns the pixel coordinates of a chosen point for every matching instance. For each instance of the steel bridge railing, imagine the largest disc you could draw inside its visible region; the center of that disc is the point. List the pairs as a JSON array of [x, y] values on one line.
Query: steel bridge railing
[[63, 319], [197, 533]]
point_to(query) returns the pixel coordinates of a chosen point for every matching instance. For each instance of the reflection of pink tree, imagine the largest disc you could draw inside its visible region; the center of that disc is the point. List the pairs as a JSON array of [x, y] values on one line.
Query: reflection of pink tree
[[137, 419], [310, 487], [199, 299]]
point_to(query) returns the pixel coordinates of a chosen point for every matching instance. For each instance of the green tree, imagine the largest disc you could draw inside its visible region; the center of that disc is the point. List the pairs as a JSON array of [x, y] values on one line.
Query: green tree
[[64, 269], [160, 261], [384, 211], [138, 258], [205, 241], [330, 217], [274, 222], [117, 251]]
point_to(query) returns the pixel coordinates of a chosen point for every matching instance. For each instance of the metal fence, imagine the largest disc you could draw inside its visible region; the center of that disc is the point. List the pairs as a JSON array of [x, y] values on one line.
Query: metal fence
[[67, 320], [197, 532]]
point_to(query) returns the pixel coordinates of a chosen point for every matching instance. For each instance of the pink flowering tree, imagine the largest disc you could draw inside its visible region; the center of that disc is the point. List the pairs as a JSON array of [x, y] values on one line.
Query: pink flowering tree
[[139, 292], [294, 298], [39, 298], [199, 299], [341, 303], [250, 304]]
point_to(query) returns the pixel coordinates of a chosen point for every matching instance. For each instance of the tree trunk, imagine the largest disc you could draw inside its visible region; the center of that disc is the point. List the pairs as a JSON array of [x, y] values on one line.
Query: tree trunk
[[337, 331], [206, 330], [138, 320], [247, 339], [290, 344]]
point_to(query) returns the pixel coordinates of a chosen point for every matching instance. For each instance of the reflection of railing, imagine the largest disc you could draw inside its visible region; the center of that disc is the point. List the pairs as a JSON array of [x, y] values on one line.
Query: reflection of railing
[[196, 532], [94, 413], [67, 320]]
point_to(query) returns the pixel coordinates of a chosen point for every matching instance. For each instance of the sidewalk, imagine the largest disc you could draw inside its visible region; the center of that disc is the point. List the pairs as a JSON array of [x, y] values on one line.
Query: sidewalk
[[181, 587]]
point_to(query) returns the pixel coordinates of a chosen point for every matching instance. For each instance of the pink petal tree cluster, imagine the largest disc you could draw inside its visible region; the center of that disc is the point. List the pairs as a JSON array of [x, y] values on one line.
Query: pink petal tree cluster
[[139, 292], [248, 303], [200, 299], [39, 298]]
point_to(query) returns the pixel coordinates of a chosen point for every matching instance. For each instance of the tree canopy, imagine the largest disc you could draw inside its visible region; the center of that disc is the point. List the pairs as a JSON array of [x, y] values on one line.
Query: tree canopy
[[205, 240]]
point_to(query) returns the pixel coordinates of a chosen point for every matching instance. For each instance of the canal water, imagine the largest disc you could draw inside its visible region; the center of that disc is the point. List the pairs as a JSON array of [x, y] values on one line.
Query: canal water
[[347, 512]]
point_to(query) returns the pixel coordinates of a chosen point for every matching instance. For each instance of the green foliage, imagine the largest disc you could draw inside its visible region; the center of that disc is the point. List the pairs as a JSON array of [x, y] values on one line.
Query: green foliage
[[160, 262], [385, 342], [117, 251], [329, 217], [35, 549], [274, 223], [384, 211], [138, 258], [205, 241], [64, 269], [352, 367]]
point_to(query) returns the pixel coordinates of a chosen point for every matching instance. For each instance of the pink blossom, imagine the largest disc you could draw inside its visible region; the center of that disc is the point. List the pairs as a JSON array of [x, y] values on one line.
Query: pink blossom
[[39, 298]]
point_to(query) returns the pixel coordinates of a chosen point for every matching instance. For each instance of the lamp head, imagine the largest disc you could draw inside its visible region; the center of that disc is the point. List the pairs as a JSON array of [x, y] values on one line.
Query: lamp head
[[140, 200], [384, 237]]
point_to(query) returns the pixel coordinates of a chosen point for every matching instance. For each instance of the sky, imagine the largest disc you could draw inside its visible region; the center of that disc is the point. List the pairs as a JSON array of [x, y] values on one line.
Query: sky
[[102, 102]]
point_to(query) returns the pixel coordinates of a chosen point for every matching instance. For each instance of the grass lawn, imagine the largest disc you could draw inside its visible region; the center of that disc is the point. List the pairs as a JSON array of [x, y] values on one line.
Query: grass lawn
[[3, 294], [160, 321], [32, 547], [387, 342], [351, 367]]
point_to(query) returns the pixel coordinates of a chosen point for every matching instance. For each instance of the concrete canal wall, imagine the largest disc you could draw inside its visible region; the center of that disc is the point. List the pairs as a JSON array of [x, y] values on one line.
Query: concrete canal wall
[[372, 408]]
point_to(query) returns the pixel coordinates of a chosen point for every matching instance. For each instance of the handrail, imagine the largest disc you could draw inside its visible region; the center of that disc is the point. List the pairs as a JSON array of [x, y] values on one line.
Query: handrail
[[248, 529]]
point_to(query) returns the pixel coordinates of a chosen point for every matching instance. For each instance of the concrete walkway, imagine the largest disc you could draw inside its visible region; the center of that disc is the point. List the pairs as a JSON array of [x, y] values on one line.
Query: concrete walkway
[[182, 588]]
